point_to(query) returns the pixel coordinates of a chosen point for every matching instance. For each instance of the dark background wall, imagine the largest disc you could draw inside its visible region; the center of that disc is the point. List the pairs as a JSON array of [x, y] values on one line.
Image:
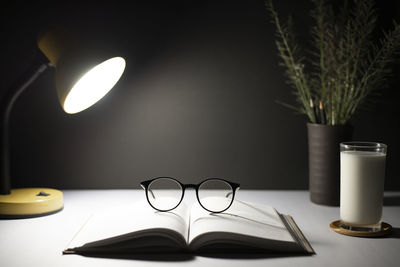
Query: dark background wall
[[198, 98]]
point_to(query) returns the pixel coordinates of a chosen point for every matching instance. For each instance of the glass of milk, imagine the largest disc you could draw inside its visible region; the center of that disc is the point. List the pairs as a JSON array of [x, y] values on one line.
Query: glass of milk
[[362, 176]]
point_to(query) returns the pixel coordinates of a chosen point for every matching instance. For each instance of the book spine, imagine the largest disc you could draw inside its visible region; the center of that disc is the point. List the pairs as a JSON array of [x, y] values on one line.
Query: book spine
[[296, 233]]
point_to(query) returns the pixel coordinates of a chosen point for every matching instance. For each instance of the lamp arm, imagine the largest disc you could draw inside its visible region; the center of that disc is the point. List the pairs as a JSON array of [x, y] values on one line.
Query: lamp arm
[[39, 65]]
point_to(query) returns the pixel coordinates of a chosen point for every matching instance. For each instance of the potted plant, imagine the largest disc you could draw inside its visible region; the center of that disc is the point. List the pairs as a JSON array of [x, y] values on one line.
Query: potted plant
[[345, 65]]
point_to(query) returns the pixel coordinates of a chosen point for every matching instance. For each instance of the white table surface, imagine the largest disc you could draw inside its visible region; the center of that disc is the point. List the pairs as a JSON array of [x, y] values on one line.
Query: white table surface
[[40, 241]]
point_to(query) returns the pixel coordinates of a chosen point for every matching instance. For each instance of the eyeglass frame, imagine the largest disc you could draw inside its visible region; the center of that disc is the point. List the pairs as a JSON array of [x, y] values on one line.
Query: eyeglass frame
[[145, 185]]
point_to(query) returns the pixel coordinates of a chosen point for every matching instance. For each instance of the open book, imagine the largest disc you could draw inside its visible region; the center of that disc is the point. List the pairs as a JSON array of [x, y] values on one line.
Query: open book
[[138, 228]]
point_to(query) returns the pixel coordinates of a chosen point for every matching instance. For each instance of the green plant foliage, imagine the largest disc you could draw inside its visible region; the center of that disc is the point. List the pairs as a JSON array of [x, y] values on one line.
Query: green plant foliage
[[345, 64]]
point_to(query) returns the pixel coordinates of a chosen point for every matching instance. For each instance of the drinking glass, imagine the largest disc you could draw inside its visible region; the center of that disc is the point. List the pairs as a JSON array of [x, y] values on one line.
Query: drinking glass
[[362, 176]]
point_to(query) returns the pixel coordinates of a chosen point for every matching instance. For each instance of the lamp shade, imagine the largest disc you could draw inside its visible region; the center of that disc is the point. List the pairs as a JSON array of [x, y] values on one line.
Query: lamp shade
[[83, 76]]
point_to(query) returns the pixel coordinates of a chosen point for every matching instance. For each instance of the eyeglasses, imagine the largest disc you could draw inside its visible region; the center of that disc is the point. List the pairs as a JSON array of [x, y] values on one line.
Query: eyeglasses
[[166, 193]]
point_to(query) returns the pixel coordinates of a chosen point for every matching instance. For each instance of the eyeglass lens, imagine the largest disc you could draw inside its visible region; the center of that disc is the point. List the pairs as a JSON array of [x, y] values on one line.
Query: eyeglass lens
[[164, 193], [215, 195]]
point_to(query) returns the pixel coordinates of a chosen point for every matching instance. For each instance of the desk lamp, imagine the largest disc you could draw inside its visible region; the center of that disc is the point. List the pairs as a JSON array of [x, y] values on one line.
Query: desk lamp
[[82, 78]]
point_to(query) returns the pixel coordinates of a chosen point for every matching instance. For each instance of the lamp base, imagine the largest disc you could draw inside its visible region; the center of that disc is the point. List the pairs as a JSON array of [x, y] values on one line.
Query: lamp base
[[30, 202]]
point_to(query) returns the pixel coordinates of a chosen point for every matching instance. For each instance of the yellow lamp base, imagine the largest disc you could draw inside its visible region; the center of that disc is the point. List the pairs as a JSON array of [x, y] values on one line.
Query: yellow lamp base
[[30, 202]]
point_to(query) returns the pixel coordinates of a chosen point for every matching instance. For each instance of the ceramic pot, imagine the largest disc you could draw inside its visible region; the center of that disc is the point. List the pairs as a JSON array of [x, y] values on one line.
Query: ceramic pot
[[324, 161]]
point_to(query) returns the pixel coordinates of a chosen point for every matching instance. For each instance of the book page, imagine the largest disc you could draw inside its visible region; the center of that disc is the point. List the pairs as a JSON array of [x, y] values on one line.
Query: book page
[[241, 220], [132, 221]]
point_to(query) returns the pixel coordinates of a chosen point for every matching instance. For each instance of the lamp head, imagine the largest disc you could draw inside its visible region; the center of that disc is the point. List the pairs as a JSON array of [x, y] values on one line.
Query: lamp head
[[83, 76]]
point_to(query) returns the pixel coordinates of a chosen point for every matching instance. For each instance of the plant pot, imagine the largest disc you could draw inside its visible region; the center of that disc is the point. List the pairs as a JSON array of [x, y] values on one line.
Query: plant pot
[[324, 161]]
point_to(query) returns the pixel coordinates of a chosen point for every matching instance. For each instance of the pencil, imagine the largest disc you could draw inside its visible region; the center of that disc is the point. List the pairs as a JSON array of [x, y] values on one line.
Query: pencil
[[322, 113], [314, 112]]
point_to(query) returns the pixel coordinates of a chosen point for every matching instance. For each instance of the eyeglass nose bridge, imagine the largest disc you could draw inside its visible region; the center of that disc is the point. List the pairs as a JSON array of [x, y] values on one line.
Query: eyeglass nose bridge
[[186, 186]]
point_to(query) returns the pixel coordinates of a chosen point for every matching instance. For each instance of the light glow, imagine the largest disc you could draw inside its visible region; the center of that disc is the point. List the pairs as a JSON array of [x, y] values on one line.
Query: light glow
[[95, 84]]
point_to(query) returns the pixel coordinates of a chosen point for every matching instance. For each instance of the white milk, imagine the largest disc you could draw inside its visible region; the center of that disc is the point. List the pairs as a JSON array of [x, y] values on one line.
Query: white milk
[[362, 177]]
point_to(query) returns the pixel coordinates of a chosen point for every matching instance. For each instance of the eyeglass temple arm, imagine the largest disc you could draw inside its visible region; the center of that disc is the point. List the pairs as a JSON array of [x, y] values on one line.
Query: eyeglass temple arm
[[149, 190], [231, 193]]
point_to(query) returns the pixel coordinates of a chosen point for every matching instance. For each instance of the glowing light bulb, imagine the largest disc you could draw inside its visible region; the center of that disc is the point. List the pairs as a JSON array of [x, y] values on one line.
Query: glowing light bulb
[[95, 84]]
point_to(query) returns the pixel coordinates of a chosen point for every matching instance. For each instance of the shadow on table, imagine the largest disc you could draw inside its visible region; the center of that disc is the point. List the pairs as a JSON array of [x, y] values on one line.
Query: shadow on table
[[393, 200], [253, 255], [395, 233], [188, 256], [164, 257]]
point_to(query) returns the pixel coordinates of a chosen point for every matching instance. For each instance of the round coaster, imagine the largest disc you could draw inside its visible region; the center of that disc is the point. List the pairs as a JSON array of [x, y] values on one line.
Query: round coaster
[[386, 229]]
